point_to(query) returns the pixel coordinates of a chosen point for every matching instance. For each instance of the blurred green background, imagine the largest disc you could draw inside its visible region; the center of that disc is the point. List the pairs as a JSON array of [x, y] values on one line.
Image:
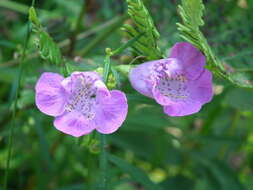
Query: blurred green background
[[211, 150]]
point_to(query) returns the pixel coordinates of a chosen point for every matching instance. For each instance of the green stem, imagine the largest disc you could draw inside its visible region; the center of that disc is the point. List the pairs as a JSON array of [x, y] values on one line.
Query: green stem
[[12, 5], [103, 163], [66, 42], [102, 36], [91, 169], [77, 29], [10, 138], [63, 68], [103, 154], [20, 72], [21, 8]]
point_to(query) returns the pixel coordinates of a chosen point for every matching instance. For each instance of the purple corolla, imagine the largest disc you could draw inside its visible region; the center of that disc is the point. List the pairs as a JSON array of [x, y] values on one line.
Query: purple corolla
[[179, 83], [80, 103]]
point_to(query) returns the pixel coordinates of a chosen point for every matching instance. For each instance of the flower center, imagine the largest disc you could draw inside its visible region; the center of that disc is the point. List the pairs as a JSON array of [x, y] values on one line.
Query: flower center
[[173, 87], [83, 96], [171, 81]]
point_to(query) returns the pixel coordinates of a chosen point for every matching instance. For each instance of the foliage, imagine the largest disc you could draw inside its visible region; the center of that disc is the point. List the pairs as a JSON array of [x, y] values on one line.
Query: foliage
[[143, 24], [211, 150], [191, 12], [47, 47]]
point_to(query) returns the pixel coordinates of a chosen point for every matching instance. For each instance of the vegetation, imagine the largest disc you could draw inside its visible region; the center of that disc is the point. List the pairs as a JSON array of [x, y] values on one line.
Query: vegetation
[[210, 150]]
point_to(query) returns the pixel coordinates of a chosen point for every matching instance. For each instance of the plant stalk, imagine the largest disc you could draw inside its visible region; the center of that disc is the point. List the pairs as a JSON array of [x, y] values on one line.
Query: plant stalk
[[103, 163], [19, 77], [10, 138], [77, 29]]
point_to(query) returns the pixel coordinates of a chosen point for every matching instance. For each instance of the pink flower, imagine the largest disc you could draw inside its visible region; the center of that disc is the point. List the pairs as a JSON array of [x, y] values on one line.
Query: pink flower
[[179, 83], [80, 103]]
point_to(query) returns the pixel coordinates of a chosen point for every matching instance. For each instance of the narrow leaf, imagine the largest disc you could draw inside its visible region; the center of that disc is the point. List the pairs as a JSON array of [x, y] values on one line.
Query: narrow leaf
[[146, 45], [47, 47], [191, 12]]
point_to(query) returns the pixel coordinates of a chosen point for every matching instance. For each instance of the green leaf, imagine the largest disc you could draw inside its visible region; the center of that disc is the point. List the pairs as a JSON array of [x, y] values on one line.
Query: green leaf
[[191, 12], [137, 174], [243, 79], [33, 17], [47, 47], [107, 68], [146, 45], [193, 18]]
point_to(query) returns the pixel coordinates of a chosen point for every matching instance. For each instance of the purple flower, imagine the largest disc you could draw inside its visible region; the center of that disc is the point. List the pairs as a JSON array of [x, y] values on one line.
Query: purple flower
[[179, 83], [80, 103]]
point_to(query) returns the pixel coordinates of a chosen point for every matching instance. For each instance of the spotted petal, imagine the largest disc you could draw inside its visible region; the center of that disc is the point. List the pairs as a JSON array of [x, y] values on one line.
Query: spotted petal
[[73, 82], [200, 92], [159, 97]]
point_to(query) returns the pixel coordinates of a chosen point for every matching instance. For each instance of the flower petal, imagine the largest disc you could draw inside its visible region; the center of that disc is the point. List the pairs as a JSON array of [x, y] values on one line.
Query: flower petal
[[50, 96], [48, 81], [111, 112], [73, 82], [201, 89], [190, 57], [160, 98], [74, 123], [140, 78], [92, 75], [183, 108]]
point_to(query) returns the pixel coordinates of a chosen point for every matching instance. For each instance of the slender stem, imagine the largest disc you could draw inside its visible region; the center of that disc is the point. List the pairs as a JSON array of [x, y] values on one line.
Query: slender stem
[[10, 138], [102, 36], [103, 162], [63, 68], [66, 42], [103, 154], [12, 5], [22, 8], [77, 28], [90, 170]]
